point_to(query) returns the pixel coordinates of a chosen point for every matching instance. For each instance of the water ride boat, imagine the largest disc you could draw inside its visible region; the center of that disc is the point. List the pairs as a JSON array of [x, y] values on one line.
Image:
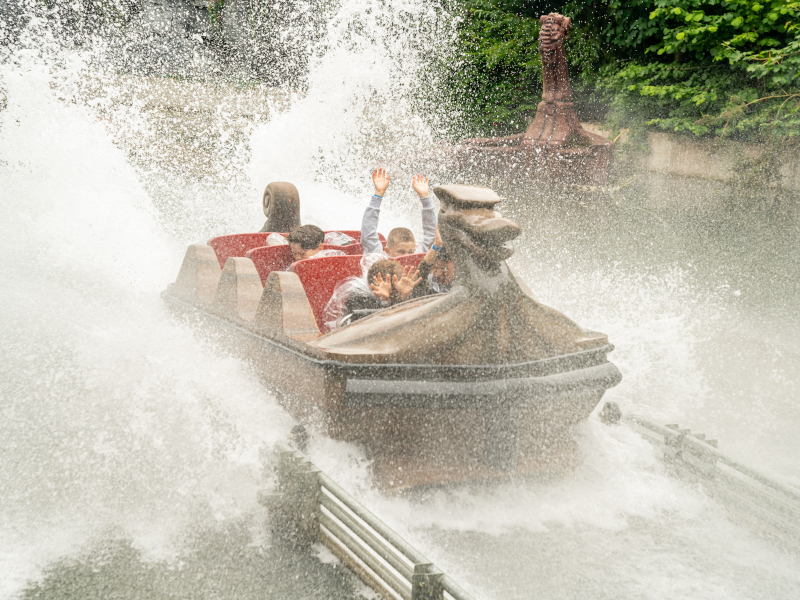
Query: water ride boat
[[478, 383]]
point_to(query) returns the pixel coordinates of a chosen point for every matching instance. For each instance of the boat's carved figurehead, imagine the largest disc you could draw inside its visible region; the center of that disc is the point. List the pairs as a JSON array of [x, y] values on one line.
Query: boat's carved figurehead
[[281, 202], [476, 236], [488, 318]]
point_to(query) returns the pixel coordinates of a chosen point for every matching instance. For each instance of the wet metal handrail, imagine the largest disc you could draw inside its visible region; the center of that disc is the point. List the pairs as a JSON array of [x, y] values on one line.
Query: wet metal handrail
[[770, 506], [309, 507]]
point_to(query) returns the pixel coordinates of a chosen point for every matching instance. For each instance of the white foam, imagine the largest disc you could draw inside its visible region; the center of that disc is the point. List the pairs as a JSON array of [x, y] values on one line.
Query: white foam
[[115, 418]]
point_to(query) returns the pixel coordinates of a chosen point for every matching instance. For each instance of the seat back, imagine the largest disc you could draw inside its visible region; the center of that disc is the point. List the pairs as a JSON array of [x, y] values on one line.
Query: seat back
[[410, 260], [270, 258], [356, 235], [319, 277], [349, 250], [236, 245]]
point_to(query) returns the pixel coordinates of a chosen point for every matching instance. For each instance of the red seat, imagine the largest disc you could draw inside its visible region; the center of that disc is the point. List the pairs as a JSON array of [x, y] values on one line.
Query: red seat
[[236, 245], [350, 250], [270, 258], [320, 276], [410, 260], [356, 235], [278, 258]]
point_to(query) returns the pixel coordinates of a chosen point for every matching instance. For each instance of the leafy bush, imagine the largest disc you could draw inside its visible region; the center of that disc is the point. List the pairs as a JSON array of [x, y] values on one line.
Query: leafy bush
[[735, 68], [727, 29], [721, 67], [697, 99], [498, 79]]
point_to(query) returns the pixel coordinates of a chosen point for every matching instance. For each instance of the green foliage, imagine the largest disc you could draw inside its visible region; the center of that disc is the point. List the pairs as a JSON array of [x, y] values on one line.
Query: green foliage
[[499, 70], [722, 28], [780, 66], [499, 75], [619, 28], [734, 71], [696, 99], [215, 8], [703, 67], [734, 30]]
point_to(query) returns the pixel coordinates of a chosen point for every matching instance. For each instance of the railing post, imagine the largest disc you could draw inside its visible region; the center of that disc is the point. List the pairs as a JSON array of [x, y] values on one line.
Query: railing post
[[698, 457], [425, 583], [308, 506], [294, 510], [690, 451]]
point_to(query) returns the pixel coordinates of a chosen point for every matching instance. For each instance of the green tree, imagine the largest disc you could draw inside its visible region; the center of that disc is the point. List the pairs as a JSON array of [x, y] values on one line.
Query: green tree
[[721, 67]]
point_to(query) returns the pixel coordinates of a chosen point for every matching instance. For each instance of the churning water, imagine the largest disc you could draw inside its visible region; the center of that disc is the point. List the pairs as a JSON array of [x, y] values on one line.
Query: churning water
[[129, 443]]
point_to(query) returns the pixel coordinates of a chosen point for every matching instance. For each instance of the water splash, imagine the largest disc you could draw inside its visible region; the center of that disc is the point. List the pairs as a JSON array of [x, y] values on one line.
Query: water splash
[[119, 422], [114, 416], [366, 86]]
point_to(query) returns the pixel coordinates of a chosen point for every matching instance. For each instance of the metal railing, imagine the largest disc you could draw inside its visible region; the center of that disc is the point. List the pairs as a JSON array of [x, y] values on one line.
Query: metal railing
[[768, 505], [310, 507]]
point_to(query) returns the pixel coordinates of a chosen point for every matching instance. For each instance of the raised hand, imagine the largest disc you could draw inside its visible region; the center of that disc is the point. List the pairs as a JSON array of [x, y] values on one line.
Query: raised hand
[[382, 288], [431, 255], [420, 185], [406, 284], [380, 179], [437, 240]]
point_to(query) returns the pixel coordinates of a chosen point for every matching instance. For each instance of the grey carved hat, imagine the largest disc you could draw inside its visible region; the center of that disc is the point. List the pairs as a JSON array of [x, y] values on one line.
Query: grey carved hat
[[467, 196]]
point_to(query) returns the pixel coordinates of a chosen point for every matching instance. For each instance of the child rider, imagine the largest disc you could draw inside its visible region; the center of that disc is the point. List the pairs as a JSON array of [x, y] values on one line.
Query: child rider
[[400, 240]]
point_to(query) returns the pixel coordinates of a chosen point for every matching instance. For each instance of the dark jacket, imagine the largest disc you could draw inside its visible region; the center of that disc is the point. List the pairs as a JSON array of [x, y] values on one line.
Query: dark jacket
[[357, 301], [426, 287], [360, 305]]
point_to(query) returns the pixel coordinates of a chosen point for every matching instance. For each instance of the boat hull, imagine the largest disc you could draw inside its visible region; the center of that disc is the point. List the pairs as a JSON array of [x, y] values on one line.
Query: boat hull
[[428, 424]]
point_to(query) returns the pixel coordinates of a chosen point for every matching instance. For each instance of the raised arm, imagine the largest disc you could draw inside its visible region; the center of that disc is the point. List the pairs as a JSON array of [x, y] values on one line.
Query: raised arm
[[369, 223], [431, 255], [429, 220]]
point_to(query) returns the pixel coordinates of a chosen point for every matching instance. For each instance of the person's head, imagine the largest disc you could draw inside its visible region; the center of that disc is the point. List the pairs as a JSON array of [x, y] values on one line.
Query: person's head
[[305, 241], [443, 270], [400, 242], [386, 268]]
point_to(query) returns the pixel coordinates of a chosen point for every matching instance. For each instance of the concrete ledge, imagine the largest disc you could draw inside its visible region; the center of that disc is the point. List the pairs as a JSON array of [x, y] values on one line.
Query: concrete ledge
[[598, 129], [719, 160]]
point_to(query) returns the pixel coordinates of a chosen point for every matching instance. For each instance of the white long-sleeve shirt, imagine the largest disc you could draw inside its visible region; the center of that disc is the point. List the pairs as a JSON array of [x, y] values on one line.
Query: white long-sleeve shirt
[[369, 226]]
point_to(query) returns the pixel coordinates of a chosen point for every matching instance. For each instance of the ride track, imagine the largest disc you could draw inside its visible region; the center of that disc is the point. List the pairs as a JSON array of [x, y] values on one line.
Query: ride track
[[307, 506]]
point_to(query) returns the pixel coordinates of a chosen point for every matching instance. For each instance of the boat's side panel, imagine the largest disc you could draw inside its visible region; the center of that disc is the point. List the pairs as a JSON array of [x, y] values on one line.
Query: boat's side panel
[[423, 424], [310, 393], [469, 436], [481, 391]]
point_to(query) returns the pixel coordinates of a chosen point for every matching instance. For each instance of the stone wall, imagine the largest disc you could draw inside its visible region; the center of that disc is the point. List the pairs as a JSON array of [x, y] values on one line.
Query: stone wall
[[711, 175], [720, 160], [683, 173]]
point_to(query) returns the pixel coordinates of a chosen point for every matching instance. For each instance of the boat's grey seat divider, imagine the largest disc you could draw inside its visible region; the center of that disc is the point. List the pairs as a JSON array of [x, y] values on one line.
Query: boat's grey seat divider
[[310, 507], [769, 506]]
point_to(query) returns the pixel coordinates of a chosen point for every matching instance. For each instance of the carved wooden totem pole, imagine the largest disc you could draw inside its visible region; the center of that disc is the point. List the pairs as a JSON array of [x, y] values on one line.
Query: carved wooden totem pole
[[554, 32], [556, 125], [555, 149]]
